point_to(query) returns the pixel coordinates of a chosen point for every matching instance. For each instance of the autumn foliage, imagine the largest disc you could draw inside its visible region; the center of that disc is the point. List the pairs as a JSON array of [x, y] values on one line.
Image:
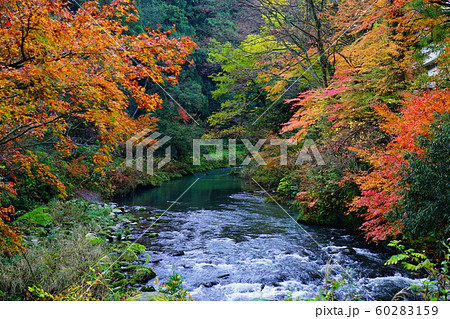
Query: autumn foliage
[[68, 77], [372, 76], [372, 87], [381, 188], [364, 78], [10, 237]]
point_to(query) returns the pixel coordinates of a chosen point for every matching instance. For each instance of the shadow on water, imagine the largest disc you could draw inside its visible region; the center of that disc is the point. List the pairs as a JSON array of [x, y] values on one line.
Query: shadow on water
[[229, 244]]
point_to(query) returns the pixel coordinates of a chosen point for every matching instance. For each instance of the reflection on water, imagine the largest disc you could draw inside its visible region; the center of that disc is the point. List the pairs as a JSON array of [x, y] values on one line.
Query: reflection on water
[[228, 244]]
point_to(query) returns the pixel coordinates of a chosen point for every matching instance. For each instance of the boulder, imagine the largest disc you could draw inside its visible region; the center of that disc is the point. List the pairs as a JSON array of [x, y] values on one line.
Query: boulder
[[349, 251], [151, 235], [210, 284], [178, 253], [151, 296], [143, 274]]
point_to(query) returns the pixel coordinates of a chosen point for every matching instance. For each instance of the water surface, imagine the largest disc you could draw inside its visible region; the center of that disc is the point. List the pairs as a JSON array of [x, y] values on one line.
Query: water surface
[[229, 244]]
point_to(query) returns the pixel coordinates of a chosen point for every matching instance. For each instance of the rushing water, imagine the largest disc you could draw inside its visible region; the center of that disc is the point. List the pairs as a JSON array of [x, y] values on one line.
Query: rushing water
[[229, 244]]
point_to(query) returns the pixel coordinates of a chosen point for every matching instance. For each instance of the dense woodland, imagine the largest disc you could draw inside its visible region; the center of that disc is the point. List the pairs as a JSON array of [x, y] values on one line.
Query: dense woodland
[[367, 80]]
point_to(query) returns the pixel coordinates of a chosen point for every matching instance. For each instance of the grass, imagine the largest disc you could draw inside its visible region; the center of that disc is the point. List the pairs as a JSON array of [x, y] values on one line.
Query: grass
[[65, 251]]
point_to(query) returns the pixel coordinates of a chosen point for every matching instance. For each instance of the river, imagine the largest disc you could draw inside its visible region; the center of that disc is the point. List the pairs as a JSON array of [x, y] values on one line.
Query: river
[[229, 244]]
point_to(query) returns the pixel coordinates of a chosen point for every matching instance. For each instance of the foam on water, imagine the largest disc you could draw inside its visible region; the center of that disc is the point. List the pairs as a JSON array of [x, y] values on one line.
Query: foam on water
[[229, 244]]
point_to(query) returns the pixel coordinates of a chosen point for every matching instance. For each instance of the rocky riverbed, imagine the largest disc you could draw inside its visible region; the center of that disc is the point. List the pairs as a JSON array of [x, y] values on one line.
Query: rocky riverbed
[[227, 243], [131, 266]]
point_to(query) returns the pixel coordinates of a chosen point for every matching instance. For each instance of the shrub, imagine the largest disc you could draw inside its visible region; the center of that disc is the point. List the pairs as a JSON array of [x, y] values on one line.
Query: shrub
[[427, 196], [173, 287]]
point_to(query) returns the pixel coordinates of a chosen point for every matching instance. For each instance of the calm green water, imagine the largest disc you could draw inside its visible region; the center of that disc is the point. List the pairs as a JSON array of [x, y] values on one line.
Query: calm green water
[[228, 244]]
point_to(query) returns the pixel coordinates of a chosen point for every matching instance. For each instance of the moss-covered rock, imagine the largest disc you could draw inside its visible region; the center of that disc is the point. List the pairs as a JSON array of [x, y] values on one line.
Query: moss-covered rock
[[148, 289], [120, 283], [151, 235], [118, 275], [143, 274], [129, 251]]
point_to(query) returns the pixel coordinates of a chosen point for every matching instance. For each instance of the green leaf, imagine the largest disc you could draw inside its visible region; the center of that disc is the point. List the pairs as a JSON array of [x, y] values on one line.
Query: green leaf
[[38, 216]]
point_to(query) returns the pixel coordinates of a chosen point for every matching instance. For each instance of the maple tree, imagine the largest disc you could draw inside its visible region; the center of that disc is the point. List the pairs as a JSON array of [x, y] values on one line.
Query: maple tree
[[373, 64], [10, 236], [373, 69], [381, 188], [66, 74]]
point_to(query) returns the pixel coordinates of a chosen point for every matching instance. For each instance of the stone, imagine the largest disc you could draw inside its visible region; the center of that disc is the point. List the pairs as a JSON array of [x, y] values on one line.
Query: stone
[[349, 251], [151, 235], [118, 275], [120, 283], [133, 219], [178, 253], [210, 284], [90, 236], [151, 296], [143, 274]]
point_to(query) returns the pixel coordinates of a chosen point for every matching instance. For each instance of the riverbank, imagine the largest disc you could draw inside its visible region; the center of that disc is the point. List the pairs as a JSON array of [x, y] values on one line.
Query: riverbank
[[220, 241], [70, 243], [79, 250], [177, 170], [125, 180]]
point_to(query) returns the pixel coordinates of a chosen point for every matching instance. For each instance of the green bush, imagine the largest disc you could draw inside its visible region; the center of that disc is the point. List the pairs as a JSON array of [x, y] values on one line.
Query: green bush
[[38, 216], [426, 206]]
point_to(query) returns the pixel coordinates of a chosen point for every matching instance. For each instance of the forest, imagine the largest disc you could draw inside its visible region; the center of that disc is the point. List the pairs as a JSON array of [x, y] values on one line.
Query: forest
[[366, 80]]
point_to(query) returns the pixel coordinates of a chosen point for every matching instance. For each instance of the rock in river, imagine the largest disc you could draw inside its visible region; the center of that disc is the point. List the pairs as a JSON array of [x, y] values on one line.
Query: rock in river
[[143, 274]]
